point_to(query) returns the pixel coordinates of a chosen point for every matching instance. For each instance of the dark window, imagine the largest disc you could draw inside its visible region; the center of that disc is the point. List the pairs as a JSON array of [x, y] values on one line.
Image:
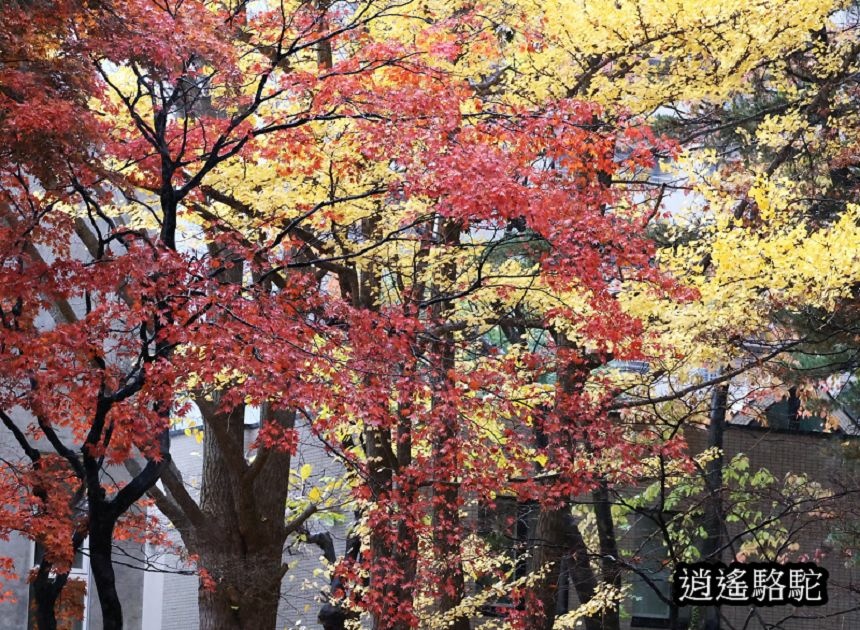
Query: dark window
[[650, 582], [786, 414]]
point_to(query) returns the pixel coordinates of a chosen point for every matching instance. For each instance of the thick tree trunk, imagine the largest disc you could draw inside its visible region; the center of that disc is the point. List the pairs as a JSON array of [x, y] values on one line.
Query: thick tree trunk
[[241, 548], [219, 551], [246, 593], [215, 610]]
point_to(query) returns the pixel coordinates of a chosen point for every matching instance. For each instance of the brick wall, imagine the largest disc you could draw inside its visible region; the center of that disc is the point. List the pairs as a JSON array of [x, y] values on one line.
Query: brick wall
[[820, 457]]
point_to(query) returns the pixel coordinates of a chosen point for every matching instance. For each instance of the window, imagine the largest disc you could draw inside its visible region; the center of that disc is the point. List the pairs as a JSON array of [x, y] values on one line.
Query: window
[[651, 580], [786, 414], [73, 599]]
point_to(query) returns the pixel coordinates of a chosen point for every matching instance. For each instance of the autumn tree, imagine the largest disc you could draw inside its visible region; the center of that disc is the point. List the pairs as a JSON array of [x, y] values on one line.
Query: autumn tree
[[424, 229]]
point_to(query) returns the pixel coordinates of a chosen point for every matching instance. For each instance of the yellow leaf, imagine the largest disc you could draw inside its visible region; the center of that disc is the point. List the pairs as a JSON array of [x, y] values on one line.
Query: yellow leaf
[[305, 471], [315, 495]]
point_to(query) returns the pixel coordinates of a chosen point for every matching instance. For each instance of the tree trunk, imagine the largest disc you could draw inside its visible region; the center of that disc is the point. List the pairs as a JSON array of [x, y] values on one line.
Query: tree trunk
[[547, 552], [247, 590], [610, 569], [558, 542], [581, 574], [46, 591], [447, 532], [241, 548], [713, 522], [446, 547], [102, 523], [402, 549], [219, 552], [381, 468], [407, 547], [215, 608]]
